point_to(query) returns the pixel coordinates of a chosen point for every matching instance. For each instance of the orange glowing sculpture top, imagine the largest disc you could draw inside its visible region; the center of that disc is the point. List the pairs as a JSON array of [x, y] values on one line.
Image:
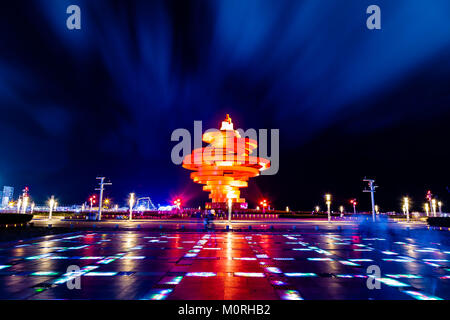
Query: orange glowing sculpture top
[[225, 165]]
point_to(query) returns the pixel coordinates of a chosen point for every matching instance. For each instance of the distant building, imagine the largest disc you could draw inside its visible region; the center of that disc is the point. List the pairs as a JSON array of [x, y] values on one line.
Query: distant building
[[7, 195]]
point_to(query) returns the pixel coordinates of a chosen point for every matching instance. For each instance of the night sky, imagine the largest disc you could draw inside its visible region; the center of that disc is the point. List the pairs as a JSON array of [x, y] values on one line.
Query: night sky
[[349, 102]]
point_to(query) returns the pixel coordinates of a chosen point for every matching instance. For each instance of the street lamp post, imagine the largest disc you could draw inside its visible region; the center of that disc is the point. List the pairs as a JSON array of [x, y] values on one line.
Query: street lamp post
[[371, 189], [51, 204], [433, 205], [429, 197], [131, 203], [406, 206], [264, 205], [25, 204], [101, 188], [92, 201], [341, 209], [328, 202], [354, 202], [177, 203], [230, 206]]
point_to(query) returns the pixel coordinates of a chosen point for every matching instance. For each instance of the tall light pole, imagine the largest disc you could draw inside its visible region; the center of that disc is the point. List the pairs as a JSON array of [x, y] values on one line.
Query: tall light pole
[[25, 199], [328, 202], [440, 208], [25, 204], [51, 204], [433, 205], [91, 200], [406, 206], [427, 209], [230, 208], [230, 196], [429, 197], [354, 202], [371, 189], [131, 203], [264, 205], [177, 203], [102, 184]]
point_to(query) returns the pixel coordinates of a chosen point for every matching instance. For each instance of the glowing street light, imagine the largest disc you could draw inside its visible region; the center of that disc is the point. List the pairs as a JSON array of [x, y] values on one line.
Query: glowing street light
[[131, 203], [317, 209], [341, 209], [427, 209], [51, 204], [328, 202], [92, 201], [440, 208], [25, 204], [264, 205], [406, 206], [287, 209], [377, 209], [433, 205], [354, 203], [429, 197], [230, 207]]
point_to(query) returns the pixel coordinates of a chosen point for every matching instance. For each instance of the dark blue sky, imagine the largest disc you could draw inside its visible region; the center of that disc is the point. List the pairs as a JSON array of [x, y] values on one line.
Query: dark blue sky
[[105, 99]]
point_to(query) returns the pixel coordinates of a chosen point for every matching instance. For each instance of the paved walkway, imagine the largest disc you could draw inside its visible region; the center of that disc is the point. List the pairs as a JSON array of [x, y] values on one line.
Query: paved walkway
[[306, 263]]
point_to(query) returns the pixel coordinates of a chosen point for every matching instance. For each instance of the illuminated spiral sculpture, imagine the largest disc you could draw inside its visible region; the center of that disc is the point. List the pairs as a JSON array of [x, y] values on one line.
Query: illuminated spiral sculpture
[[225, 165]]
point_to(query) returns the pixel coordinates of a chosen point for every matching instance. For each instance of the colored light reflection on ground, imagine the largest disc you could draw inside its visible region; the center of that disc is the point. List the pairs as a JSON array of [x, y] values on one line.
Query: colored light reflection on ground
[[421, 296], [289, 295], [240, 265], [158, 294]]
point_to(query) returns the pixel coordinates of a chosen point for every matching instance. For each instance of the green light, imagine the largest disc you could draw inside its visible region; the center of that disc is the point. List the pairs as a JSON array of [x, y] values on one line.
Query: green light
[[45, 273]]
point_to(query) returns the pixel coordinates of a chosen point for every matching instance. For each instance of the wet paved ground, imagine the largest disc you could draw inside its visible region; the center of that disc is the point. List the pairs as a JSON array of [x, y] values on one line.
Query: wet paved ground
[[311, 262]]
